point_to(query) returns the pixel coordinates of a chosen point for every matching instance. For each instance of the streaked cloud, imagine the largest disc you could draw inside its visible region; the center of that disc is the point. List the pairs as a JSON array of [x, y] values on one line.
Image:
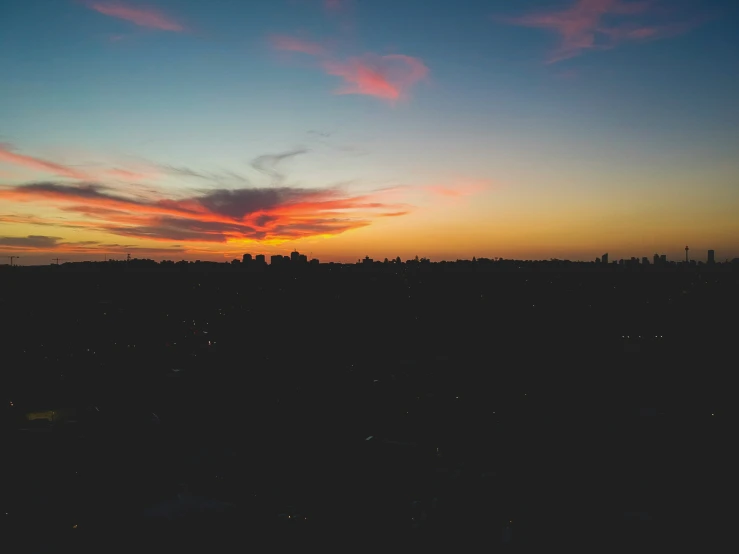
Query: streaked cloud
[[601, 25], [7, 155], [30, 241], [293, 44], [126, 175], [141, 16]]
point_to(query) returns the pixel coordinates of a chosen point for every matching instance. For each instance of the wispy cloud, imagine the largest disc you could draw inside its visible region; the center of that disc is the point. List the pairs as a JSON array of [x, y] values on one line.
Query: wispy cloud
[[600, 25], [387, 77], [292, 44], [268, 163], [334, 4], [126, 175], [142, 16], [7, 155]]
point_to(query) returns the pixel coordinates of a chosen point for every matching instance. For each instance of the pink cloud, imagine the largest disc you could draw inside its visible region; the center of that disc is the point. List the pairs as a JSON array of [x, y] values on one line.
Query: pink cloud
[[126, 175], [292, 44], [387, 77], [597, 25], [333, 4], [7, 156], [144, 17]]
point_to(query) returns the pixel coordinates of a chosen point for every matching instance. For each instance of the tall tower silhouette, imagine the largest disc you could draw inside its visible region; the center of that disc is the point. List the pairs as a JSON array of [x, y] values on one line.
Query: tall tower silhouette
[[686, 254]]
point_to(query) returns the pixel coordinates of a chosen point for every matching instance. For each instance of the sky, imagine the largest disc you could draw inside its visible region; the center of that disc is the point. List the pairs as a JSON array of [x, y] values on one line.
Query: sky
[[527, 129]]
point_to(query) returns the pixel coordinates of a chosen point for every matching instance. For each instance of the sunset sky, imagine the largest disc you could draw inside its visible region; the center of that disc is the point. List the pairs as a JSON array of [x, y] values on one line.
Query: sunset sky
[[531, 129]]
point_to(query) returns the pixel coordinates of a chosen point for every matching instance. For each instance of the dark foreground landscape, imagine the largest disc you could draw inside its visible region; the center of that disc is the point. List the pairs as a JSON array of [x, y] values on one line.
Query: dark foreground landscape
[[463, 407]]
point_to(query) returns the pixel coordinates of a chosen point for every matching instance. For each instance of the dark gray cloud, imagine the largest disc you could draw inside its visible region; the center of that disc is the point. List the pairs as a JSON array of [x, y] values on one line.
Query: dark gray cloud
[[31, 241], [240, 202], [156, 232], [173, 228]]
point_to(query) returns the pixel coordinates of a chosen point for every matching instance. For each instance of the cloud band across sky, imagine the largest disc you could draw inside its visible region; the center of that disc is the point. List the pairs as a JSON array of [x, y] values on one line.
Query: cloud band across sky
[[221, 215]]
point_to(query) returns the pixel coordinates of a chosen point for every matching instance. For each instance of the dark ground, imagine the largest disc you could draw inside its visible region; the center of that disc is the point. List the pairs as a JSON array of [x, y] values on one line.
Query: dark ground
[[524, 374]]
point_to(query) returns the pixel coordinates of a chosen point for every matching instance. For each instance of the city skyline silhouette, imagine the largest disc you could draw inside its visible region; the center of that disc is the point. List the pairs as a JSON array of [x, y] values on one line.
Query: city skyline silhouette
[[547, 130], [381, 275]]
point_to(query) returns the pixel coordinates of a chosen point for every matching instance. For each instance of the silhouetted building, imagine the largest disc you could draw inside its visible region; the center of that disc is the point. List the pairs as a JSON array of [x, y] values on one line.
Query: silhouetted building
[[276, 259], [295, 257], [247, 259], [663, 259], [645, 261], [260, 259], [303, 259], [367, 260], [604, 257], [656, 259], [314, 261], [711, 257]]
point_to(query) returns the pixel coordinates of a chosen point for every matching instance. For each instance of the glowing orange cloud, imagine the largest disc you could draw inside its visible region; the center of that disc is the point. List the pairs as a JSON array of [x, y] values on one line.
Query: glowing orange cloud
[[7, 156], [215, 216], [144, 17], [388, 77], [588, 25], [292, 44]]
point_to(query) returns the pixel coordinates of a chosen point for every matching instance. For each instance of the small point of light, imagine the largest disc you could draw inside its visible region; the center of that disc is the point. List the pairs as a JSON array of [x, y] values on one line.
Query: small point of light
[[74, 526]]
